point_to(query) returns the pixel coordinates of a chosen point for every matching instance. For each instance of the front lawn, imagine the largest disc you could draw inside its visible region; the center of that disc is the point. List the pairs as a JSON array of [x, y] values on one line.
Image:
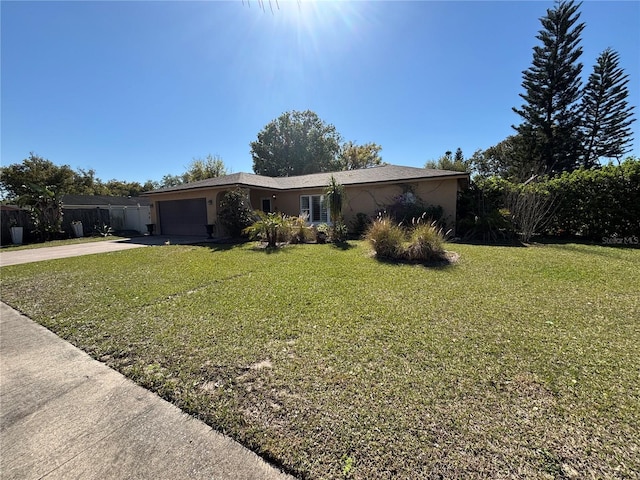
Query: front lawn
[[516, 362]]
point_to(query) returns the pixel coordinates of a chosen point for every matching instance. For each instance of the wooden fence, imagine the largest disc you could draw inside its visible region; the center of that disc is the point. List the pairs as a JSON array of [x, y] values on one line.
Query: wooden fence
[[90, 217]]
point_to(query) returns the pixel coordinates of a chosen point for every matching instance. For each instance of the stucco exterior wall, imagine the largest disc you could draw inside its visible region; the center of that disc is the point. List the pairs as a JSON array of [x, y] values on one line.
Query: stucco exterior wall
[[370, 199], [288, 202]]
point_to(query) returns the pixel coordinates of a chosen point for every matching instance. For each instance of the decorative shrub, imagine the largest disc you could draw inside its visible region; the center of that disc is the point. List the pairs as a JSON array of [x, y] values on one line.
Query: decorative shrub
[[335, 195], [530, 207], [339, 232], [301, 232], [408, 206], [102, 230], [322, 232], [360, 224], [235, 212]]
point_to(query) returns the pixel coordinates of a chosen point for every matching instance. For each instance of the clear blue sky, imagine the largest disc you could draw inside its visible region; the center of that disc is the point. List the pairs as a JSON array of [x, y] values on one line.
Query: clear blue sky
[[136, 90]]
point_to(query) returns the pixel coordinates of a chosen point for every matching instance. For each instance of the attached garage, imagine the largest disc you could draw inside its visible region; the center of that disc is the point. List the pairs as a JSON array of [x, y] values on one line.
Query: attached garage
[[183, 217]]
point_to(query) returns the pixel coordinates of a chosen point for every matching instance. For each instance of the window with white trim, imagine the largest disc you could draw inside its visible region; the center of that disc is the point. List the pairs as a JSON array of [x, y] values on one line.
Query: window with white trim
[[315, 207]]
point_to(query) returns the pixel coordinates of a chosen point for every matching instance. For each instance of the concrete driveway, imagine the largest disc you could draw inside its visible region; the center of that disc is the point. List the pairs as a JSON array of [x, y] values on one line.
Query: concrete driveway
[[51, 253]]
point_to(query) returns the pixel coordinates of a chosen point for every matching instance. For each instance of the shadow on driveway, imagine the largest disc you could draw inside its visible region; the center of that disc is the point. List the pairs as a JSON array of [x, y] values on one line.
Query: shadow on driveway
[[152, 240]]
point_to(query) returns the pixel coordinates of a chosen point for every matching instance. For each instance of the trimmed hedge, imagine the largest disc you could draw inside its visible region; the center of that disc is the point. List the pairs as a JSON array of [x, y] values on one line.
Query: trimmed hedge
[[596, 203]]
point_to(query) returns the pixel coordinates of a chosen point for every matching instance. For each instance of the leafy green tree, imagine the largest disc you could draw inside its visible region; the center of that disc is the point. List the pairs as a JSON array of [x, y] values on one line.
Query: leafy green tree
[[199, 169], [119, 188], [606, 114], [509, 159], [169, 180], [455, 163], [296, 143], [150, 185], [17, 179], [551, 123], [86, 183], [46, 210], [203, 168], [354, 156]]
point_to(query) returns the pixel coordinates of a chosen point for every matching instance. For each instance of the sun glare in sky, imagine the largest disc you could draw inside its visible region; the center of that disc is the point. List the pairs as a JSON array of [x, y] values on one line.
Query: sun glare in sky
[[301, 42], [317, 21]]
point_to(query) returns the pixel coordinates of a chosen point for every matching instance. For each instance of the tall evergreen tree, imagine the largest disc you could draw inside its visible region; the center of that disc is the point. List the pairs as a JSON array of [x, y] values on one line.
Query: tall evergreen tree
[[552, 90], [606, 114]]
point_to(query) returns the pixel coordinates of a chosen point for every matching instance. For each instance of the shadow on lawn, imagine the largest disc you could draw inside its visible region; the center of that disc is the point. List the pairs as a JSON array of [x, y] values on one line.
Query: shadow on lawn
[[478, 242], [221, 247], [444, 264], [342, 246], [608, 251]]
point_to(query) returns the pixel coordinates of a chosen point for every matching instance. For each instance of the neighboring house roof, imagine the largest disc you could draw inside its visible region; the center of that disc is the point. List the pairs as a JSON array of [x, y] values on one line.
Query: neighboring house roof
[[380, 174], [102, 200]]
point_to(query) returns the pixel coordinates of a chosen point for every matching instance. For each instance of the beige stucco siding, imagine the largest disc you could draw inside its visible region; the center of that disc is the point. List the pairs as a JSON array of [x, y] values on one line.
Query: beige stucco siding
[[288, 202], [371, 199]]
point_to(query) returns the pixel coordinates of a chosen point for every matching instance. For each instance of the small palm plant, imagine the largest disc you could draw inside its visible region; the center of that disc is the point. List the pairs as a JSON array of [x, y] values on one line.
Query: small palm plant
[[267, 227], [335, 195]]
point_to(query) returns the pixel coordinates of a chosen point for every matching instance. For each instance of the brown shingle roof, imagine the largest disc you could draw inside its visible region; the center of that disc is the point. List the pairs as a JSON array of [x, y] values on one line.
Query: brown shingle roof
[[381, 174], [98, 200]]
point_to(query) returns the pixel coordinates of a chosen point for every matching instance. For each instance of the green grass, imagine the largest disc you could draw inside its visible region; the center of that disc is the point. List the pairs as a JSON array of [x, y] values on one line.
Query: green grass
[[514, 363], [57, 243]]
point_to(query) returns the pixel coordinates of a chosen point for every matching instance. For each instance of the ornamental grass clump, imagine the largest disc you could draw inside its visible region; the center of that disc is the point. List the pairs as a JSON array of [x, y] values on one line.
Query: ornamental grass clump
[[422, 242], [426, 243], [385, 237]]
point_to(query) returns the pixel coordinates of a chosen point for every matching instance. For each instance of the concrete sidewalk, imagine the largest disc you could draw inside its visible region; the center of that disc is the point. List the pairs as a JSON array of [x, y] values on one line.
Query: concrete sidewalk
[[64, 415]]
